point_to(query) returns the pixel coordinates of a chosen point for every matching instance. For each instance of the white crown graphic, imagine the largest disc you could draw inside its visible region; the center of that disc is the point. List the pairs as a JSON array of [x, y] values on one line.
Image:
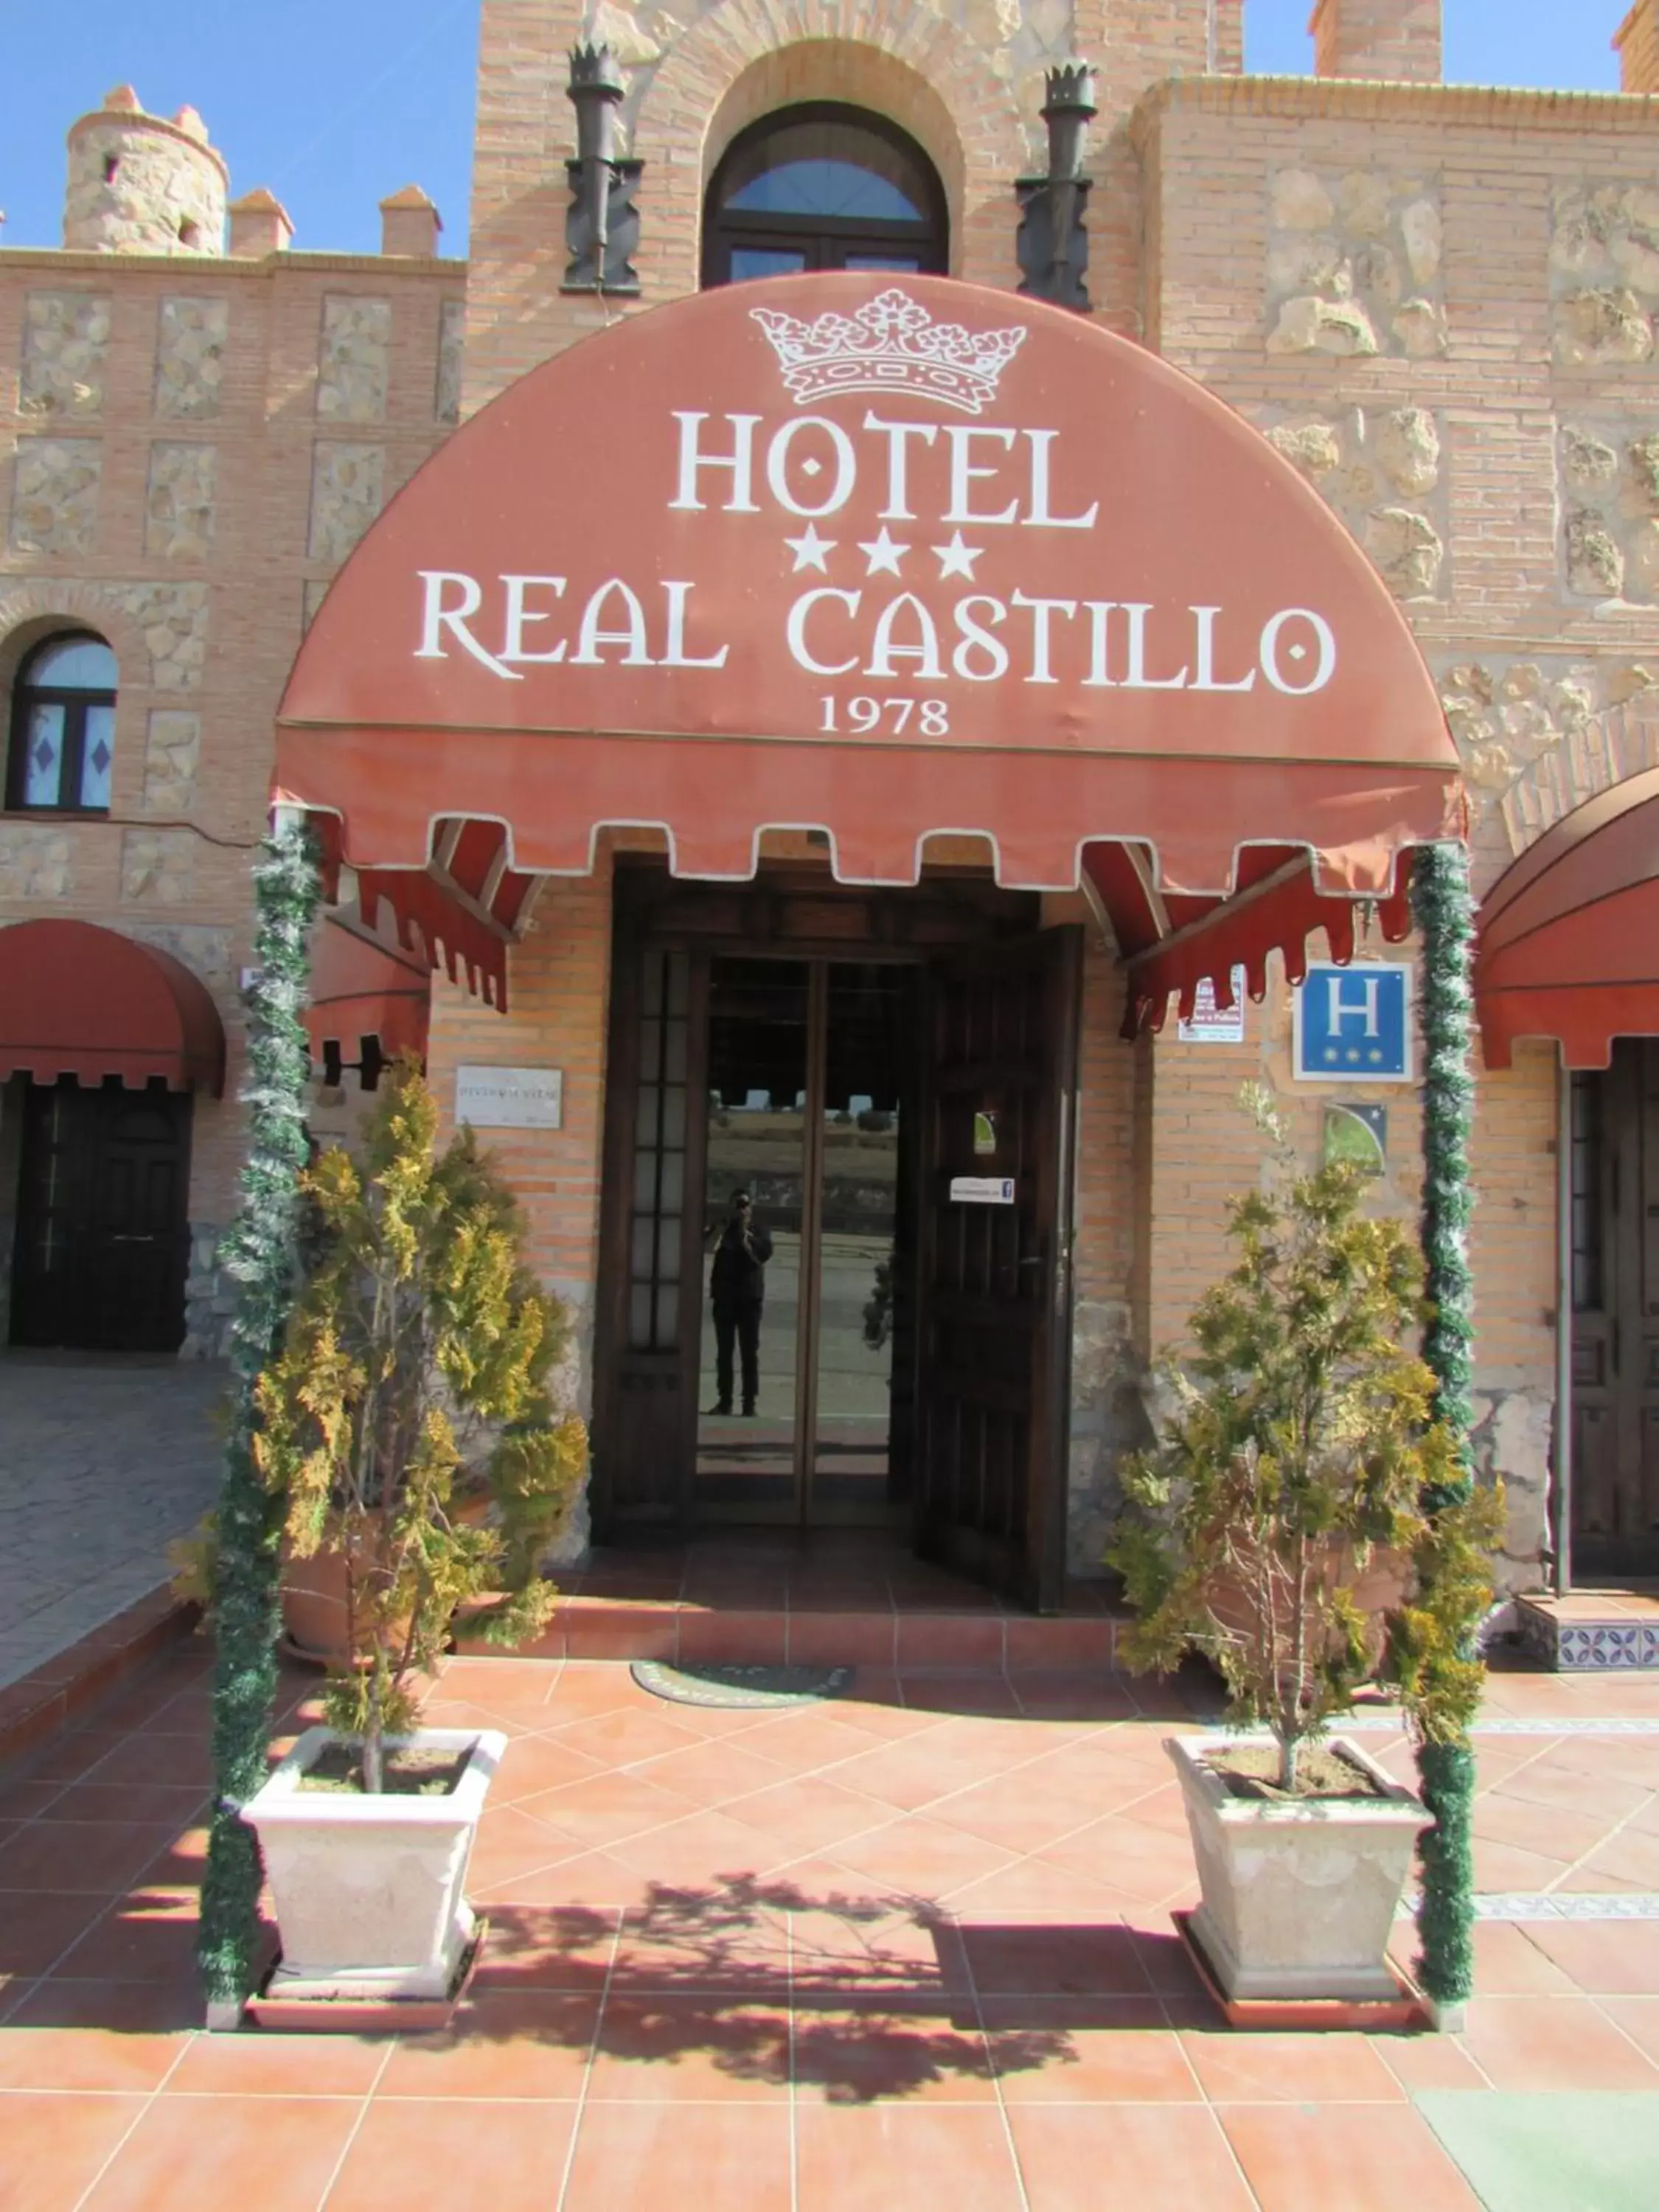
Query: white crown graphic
[[890, 344]]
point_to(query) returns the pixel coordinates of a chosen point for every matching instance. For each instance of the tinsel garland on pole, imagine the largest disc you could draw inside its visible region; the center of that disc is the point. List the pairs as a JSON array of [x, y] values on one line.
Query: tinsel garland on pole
[[1445, 917], [258, 1253]]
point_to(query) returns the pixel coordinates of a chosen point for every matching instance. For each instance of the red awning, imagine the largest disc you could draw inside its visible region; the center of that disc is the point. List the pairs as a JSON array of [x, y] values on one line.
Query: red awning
[[882, 559], [76, 999], [1171, 945], [1569, 943], [361, 990]]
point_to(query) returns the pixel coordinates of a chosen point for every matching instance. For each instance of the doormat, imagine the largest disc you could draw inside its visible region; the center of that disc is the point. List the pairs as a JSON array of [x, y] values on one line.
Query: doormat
[[717, 1684]]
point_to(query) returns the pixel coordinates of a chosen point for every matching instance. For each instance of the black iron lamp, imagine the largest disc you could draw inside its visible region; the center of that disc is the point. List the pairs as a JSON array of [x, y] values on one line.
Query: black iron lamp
[[601, 224], [1054, 243]]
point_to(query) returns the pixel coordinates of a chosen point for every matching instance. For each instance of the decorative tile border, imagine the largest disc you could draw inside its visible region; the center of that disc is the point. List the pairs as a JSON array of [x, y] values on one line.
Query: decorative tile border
[[1613, 1645], [1506, 1724], [1556, 1905]]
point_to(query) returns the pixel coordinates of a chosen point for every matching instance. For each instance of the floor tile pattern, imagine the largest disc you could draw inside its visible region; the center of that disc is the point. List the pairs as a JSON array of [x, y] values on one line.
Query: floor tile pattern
[[102, 1463], [912, 1944]]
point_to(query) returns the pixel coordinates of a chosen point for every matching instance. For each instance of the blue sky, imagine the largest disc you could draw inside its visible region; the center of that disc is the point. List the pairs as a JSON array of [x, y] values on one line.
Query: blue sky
[[303, 98]]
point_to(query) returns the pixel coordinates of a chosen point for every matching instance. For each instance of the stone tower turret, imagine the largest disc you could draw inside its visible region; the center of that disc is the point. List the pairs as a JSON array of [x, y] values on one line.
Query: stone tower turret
[[140, 185]]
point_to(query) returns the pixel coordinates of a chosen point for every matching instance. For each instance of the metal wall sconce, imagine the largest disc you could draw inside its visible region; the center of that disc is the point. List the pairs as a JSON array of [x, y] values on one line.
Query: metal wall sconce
[[601, 224], [1053, 244]]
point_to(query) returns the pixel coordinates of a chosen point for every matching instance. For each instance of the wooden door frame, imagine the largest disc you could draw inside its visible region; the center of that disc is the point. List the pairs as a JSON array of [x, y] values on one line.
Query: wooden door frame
[[1610, 1342], [791, 912]]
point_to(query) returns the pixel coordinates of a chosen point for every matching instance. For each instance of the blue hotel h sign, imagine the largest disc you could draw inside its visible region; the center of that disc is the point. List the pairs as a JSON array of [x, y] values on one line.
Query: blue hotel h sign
[[1353, 1024]]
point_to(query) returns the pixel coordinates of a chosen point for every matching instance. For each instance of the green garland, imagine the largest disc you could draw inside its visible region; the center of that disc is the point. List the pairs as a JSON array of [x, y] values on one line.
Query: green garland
[[258, 1253], [1445, 916]]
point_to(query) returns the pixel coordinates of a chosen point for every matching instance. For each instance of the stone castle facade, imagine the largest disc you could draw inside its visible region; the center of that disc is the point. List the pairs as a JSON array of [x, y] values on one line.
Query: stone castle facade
[[1440, 302]]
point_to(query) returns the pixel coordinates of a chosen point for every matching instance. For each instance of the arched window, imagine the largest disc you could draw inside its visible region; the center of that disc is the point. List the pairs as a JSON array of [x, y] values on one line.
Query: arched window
[[63, 727], [822, 186]]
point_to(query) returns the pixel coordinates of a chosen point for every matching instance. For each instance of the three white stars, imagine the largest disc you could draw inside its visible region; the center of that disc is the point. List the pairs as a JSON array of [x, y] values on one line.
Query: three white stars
[[882, 555]]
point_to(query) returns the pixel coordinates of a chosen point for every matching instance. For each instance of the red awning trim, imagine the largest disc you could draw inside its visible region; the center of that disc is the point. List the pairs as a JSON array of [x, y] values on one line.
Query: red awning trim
[[79, 1001], [361, 989], [432, 924], [1568, 937], [1277, 912]]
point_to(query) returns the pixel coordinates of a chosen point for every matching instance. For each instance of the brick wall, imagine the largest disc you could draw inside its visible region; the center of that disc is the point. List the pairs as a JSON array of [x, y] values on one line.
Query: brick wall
[[188, 447], [1393, 38]]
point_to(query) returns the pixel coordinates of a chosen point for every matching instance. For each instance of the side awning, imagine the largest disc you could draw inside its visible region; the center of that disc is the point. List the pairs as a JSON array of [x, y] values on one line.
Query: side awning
[[369, 1003], [1169, 944], [79, 1001], [1569, 943]]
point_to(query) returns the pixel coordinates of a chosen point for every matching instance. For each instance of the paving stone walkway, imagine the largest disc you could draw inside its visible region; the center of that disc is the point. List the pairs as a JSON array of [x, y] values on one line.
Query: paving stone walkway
[[103, 1461], [911, 1946]]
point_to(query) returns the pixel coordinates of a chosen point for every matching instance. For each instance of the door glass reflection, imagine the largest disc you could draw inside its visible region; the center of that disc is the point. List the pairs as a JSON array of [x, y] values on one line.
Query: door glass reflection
[[753, 1199], [860, 1458]]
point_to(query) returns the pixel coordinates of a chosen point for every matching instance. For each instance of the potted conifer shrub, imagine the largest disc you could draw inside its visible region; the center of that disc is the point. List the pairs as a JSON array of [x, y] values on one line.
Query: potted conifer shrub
[[1287, 1483], [414, 1369]]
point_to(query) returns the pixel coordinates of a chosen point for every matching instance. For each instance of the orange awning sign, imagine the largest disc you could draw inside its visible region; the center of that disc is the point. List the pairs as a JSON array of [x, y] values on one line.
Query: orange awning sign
[[883, 561]]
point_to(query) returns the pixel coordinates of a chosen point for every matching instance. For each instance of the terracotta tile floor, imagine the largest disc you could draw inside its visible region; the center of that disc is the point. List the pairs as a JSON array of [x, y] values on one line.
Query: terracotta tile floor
[[918, 1940]]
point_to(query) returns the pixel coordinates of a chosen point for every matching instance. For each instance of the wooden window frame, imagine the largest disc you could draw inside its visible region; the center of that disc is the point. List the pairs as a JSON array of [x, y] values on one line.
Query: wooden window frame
[[74, 702], [826, 241]]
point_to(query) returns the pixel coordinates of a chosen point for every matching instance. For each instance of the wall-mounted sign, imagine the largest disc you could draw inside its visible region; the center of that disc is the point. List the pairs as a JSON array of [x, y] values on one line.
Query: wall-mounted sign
[[1211, 1025], [1353, 1024], [985, 1132], [510, 1097], [1356, 1136], [982, 1190]]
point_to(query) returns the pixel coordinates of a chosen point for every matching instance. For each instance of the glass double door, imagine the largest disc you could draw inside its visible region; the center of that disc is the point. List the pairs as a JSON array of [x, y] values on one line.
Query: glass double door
[[807, 1273]]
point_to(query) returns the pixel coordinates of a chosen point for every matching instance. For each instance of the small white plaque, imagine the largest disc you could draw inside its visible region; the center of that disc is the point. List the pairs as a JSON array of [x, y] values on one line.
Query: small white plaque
[[982, 1190], [1210, 1025], [510, 1097]]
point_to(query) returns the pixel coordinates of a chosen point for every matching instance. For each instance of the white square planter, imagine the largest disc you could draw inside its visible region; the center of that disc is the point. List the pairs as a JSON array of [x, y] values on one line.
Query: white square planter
[[369, 1890], [1299, 1899]]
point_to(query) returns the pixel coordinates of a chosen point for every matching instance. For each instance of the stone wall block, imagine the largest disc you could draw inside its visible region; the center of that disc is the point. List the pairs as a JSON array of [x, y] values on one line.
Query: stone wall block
[[1535, 739], [345, 497], [210, 1296], [1609, 472], [158, 866], [354, 360], [1309, 324], [54, 502], [451, 333], [1354, 264], [1512, 1445], [1596, 328], [172, 753], [1368, 462], [191, 335], [1604, 272], [179, 505], [1407, 549], [65, 345], [35, 862], [174, 618], [1408, 449]]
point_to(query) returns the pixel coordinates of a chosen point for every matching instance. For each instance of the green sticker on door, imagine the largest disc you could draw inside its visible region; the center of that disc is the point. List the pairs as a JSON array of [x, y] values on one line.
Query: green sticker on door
[[984, 1133]]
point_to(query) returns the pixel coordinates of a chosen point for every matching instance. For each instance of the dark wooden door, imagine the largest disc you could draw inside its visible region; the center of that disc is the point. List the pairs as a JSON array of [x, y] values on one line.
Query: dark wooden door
[[650, 1250], [1615, 1481], [103, 1234], [995, 1291]]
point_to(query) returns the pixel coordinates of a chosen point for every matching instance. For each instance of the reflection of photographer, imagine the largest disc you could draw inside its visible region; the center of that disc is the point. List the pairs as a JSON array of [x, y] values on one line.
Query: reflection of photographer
[[737, 1291]]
